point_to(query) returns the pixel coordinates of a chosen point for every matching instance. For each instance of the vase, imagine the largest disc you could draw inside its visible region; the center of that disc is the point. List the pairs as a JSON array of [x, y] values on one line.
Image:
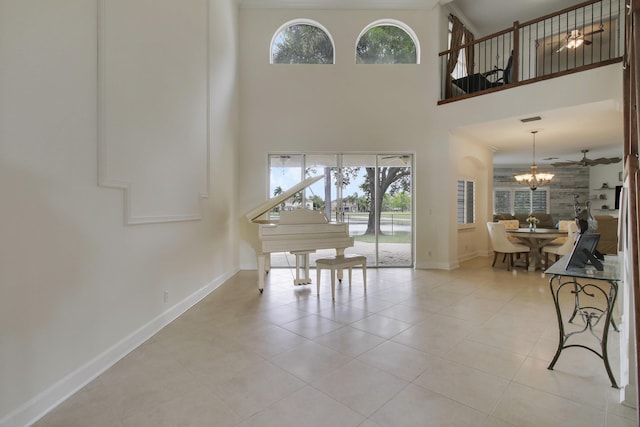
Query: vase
[[532, 227]]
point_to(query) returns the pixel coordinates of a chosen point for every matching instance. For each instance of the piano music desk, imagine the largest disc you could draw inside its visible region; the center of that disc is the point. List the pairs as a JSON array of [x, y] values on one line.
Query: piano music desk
[[338, 263]]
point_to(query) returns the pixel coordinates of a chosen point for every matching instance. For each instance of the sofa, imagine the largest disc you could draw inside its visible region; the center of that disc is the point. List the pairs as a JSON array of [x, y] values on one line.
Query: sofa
[[608, 230]]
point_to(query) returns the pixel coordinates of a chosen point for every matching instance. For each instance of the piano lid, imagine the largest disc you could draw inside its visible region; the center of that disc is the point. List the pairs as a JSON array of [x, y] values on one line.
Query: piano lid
[[265, 207]]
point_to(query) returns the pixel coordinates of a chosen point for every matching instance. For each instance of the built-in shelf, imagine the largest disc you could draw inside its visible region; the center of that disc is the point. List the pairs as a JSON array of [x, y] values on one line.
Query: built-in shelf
[[600, 199]]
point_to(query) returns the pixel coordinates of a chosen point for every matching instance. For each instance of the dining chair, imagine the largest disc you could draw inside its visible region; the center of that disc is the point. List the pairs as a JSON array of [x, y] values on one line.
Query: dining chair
[[502, 245], [563, 225], [564, 248], [511, 224]]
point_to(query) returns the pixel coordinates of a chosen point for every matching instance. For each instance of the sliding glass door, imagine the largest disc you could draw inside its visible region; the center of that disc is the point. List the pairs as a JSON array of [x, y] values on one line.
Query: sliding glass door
[[370, 192]]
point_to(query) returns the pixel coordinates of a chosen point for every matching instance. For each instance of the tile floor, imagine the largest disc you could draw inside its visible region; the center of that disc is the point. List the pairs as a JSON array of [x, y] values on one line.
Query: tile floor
[[463, 348]]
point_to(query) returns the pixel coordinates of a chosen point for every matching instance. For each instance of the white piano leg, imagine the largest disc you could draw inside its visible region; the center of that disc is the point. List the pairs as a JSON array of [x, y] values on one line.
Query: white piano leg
[[302, 263], [339, 252], [267, 263], [261, 271]]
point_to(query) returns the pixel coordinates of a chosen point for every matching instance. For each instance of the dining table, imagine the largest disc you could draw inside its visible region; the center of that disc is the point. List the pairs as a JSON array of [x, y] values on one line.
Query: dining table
[[536, 239]]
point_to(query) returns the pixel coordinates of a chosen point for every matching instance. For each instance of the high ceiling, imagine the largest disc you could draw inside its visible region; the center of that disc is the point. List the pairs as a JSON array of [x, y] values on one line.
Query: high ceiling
[[486, 16], [490, 16], [562, 133], [342, 4]]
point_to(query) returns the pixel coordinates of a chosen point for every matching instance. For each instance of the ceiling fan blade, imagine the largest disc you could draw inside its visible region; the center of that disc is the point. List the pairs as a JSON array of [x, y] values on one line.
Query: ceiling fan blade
[[585, 161], [567, 163], [606, 161], [392, 160], [561, 49], [599, 30], [587, 42], [588, 162]]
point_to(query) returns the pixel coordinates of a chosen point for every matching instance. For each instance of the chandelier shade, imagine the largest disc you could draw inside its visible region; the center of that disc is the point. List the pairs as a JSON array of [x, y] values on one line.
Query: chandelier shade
[[535, 178]]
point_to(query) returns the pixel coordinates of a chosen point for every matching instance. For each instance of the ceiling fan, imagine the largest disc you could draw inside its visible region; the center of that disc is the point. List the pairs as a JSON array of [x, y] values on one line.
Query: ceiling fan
[[576, 38], [403, 157], [588, 162]]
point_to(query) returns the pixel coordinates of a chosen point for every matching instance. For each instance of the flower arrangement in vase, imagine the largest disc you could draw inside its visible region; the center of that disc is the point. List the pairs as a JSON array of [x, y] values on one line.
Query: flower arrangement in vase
[[533, 222]]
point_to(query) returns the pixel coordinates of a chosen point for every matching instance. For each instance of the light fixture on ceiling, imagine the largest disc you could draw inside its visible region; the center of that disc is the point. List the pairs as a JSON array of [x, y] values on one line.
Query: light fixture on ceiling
[[575, 39], [535, 178]]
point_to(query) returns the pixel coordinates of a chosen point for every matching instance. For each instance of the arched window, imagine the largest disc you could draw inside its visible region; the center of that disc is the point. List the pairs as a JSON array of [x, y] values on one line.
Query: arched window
[[302, 42], [387, 42]]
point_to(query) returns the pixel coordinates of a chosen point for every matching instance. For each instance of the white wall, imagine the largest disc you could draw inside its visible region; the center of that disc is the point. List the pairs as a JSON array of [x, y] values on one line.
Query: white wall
[[604, 174], [345, 108], [78, 287], [474, 163], [353, 108]]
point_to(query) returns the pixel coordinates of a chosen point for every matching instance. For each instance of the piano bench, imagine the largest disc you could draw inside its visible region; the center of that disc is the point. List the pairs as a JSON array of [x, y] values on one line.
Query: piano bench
[[339, 263]]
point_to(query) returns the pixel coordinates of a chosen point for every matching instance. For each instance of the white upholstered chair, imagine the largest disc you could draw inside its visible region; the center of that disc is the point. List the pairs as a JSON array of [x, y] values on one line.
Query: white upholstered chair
[[511, 224], [563, 249], [563, 225], [502, 245]]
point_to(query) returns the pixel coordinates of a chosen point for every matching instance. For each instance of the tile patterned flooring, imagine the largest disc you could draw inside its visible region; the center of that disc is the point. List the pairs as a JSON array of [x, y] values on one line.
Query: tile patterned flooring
[[464, 348]]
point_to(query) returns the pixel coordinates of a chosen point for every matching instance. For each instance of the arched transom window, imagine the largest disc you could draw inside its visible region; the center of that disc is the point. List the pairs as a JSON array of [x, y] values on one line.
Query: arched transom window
[[387, 42], [302, 42]]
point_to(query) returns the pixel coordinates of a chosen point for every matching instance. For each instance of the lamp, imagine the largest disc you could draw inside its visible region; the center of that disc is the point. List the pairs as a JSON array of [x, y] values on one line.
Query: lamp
[[535, 178]]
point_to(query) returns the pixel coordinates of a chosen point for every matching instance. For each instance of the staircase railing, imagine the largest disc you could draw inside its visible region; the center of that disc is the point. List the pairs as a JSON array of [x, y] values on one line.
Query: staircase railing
[[585, 36]]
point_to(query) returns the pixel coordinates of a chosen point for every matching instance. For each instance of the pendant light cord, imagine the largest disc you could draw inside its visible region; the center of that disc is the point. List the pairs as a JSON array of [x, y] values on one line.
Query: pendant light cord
[[534, 146]]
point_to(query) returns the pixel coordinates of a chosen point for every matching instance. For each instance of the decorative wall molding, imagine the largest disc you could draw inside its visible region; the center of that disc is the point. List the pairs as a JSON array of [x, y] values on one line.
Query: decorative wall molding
[[41, 404], [136, 174]]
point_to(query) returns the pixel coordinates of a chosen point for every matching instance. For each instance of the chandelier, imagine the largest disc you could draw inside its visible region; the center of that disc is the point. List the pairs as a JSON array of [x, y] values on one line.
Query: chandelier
[[535, 178]]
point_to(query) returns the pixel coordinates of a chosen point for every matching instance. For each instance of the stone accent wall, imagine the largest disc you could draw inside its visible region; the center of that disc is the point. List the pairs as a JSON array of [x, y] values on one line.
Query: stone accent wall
[[567, 182]]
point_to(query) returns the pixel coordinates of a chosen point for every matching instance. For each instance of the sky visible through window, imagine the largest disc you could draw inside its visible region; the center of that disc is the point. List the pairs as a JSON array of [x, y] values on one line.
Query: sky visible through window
[[287, 177]]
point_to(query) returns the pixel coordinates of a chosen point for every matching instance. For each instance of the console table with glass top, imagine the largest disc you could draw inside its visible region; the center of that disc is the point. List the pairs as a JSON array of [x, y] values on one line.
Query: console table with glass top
[[594, 295]]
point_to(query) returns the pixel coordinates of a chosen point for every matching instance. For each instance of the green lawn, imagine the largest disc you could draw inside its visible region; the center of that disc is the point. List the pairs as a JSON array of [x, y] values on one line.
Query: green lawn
[[399, 237]]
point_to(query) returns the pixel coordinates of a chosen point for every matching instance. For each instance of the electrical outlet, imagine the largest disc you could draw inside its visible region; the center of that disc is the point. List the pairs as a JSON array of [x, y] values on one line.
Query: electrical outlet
[[166, 296]]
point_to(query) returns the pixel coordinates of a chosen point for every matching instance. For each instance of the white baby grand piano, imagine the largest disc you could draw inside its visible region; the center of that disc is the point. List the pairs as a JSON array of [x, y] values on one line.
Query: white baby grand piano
[[300, 232]]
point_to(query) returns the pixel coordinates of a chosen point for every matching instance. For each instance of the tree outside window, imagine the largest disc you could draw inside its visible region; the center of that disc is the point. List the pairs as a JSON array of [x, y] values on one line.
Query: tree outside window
[[386, 44], [302, 44]]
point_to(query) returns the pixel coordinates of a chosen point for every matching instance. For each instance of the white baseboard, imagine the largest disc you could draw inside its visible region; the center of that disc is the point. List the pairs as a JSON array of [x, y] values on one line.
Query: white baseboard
[[41, 404], [468, 256], [437, 265]]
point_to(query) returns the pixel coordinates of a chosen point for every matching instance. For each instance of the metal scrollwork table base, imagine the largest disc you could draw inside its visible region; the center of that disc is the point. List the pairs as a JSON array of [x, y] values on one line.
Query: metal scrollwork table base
[[594, 295]]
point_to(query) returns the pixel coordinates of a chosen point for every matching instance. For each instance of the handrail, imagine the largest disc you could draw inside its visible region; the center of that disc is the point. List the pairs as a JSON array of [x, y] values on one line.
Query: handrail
[[524, 24], [561, 12], [573, 39], [478, 41]]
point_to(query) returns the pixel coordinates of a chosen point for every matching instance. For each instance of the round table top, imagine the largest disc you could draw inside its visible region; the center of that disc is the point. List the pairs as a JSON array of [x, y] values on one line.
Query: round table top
[[543, 233]]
